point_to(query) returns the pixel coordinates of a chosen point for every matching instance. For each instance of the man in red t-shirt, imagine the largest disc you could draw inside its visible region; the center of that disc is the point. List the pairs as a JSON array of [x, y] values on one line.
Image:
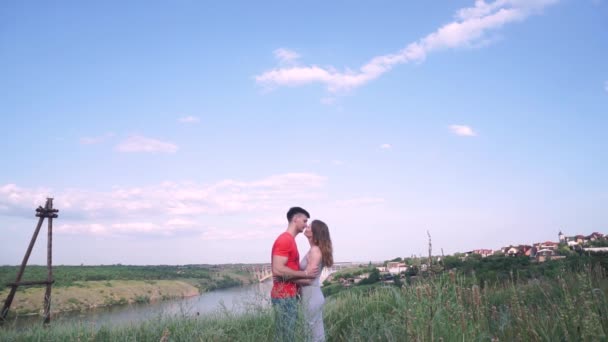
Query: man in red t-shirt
[[285, 269]]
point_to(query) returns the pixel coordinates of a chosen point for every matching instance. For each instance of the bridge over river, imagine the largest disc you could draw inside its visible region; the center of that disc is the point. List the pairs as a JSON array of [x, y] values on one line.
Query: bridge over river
[[264, 272]]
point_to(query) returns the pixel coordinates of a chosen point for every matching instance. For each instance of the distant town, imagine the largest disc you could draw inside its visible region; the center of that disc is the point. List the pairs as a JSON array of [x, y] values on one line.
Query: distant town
[[398, 269], [539, 251]]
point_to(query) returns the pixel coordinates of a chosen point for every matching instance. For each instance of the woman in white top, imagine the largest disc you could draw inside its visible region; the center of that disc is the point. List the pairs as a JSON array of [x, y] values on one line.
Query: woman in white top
[[321, 254]]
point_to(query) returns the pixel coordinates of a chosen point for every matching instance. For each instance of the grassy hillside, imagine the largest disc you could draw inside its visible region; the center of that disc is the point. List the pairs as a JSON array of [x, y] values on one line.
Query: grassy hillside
[[571, 307]]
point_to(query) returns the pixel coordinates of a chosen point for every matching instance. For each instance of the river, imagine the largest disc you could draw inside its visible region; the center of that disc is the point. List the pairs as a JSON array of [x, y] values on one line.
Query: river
[[234, 300]]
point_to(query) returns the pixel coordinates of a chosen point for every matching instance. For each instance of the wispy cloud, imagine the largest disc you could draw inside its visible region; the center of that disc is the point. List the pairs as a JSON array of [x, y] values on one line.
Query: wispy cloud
[[17, 201], [328, 100], [470, 28], [189, 120], [286, 56], [386, 146], [123, 229], [462, 130], [360, 202], [232, 234], [138, 143], [267, 223], [95, 140], [606, 86], [168, 208], [139, 227], [86, 228], [337, 162], [180, 222]]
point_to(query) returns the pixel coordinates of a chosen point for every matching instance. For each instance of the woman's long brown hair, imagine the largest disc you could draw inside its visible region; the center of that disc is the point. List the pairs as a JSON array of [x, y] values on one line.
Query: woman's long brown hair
[[321, 238]]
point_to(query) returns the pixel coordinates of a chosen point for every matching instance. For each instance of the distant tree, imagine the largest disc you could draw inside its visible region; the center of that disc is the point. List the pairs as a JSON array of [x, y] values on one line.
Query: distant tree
[[374, 277], [598, 243], [474, 256], [398, 259], [412, 271], [563, 249], [451, 262], [397, 281], [436, 268]]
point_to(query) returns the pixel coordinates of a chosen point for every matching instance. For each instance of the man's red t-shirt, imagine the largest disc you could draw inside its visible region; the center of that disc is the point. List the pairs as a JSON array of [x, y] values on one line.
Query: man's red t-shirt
[[285, 245]]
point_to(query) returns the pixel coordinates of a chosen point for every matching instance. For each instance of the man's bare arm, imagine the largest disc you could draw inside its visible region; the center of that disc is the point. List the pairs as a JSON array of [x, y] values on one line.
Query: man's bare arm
[[280, 269], [302, 282]]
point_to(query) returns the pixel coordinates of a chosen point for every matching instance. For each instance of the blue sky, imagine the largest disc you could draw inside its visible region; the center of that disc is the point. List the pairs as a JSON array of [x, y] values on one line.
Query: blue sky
[[182, 132]]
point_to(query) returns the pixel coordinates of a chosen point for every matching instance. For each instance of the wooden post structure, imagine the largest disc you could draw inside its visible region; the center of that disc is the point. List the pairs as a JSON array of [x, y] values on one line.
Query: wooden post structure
[[41, 213]]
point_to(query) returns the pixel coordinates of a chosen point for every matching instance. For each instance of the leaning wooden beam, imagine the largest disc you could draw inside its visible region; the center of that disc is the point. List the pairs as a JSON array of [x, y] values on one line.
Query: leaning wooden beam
[[11, 295]]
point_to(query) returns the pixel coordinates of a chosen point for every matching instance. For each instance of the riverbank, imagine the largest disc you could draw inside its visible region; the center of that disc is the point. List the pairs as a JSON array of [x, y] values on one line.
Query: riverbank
[[81, 288], [87, 295], [571, 307]]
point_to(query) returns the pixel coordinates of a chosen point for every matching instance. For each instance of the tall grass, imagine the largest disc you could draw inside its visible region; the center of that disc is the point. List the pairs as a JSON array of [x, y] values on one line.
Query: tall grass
[[573, 307]]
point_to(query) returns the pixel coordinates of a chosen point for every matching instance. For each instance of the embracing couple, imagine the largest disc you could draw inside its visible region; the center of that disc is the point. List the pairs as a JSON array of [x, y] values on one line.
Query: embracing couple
[[292, 276]]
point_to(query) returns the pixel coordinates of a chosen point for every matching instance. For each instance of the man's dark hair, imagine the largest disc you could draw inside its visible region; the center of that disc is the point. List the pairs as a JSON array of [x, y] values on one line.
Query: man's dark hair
[[294, 211]]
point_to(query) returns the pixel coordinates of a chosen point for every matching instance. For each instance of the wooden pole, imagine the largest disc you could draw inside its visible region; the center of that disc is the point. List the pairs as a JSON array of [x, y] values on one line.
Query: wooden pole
[[41, 213], [49, 264]]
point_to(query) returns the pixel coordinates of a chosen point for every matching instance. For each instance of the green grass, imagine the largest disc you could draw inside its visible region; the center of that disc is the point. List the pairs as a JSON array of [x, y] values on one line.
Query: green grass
[[572, 307], [70, 275]]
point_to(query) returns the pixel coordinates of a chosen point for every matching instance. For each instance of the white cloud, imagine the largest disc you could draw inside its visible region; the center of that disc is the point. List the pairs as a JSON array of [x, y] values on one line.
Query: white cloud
[[90, 140], [123, 228], [168, 208], [606, 86], [95, 140], [386, 146], [180, 222], [328, 100], [337, 162], [137, 143], [360, 202], [139, 227], [462, 130], [230, 234], [18, 201], [267, 222], [189, 119], [470, 28], [286, 56], [88, 229]]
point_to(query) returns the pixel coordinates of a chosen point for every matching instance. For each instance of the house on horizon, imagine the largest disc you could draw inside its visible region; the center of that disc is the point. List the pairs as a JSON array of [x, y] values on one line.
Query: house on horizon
[[546, 245], [483, 252], [520, 250], [580, 239], [595, 236], [394, 267]]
